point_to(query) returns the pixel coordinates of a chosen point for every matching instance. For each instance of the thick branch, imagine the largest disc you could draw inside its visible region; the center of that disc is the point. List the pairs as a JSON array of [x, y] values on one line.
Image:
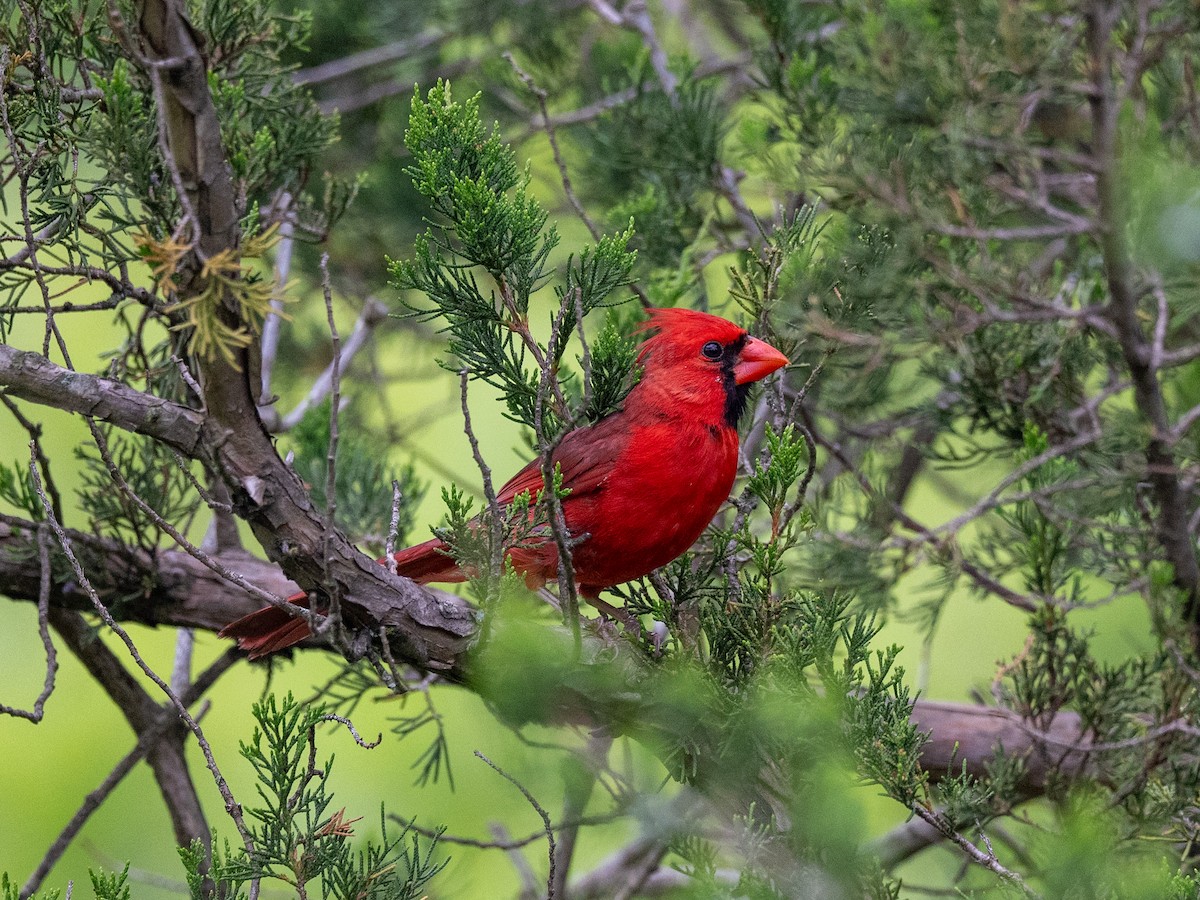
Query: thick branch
[[961, 733], [433, 628], [186, 593], [265, 492], [32, 377]]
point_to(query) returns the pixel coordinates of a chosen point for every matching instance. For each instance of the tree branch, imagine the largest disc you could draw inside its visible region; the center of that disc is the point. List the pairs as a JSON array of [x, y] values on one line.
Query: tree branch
[[185, 593], [264, 491], [32, 377], [1161, 469]]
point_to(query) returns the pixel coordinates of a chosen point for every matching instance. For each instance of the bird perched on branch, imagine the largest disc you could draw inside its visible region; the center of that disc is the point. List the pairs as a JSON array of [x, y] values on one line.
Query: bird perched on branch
[[642, 483]]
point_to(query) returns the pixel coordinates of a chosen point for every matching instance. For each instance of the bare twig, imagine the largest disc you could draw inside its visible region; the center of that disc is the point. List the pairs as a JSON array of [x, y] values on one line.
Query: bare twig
[[548, 125], [332, 622], [389, 547], [273, 325], [356, 62], [508, 843], [564, 541], [987, 858], [43, 614], [545, 816], [232, 807], [147, 738], [635, 15], [181, 671], [904, 842], [495, 513], [552, 137], [35, 434], [342, 720], [373, 313]]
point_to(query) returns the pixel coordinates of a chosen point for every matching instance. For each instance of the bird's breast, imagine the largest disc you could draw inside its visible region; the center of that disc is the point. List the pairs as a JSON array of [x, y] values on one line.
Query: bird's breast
[[662, 493]]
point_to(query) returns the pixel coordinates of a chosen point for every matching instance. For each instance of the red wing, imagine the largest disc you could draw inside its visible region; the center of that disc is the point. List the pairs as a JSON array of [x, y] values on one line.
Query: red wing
[[587, 457]]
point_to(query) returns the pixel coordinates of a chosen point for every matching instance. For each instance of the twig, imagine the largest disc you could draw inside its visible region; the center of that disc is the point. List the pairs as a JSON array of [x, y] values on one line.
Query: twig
[[987, 859], [978, 575], [365, 59], [332, 622], [342, 720], [549, 830], [509, 843], [35, 434], [372, 314], [635, 15], [790, 509], [273, 325], [994, 499], [147, 737], [181, 671], [186, 374], [548, 126], [495, 513], [232, 807], [1014, 233], [389, 547], [564, 541], [43, 614], [904, 842]]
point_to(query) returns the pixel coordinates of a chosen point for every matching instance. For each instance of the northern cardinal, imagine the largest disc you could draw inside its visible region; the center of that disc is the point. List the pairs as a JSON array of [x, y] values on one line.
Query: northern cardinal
[[644, 481]]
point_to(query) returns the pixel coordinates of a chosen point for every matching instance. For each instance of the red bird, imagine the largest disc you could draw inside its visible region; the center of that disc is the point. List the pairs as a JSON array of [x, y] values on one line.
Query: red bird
[[644, 482]]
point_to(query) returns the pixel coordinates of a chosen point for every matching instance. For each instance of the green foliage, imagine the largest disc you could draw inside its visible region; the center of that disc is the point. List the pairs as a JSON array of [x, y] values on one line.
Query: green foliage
[[155, 473], [105, 886], [16, 488], [363, 481], [297, 839], [111, 886], [9, 890], [613, 357], [488, 225], [653, 159], [788, 458], [1047, 552], [1183, 887]]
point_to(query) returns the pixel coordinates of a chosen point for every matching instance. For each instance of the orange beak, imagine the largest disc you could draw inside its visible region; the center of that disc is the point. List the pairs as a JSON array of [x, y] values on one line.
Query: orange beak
[[758, 359]]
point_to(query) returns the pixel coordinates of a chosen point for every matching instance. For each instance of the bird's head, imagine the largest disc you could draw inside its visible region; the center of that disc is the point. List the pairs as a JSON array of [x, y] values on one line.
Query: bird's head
[[705, 363]]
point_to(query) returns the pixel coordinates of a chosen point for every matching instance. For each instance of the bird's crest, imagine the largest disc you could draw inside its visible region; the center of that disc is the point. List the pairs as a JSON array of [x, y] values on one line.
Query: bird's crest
[[681, 328]]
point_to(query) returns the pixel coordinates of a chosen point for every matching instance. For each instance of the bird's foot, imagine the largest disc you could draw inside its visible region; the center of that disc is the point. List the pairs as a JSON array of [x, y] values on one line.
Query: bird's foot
[[614, 613]]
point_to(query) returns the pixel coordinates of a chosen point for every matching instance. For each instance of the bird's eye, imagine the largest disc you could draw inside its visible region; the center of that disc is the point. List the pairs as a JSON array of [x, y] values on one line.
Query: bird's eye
[[712, 350]]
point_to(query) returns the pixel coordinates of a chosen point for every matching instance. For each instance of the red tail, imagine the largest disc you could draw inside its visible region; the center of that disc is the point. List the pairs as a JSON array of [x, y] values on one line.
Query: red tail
[[271, 629], [427, 563]]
